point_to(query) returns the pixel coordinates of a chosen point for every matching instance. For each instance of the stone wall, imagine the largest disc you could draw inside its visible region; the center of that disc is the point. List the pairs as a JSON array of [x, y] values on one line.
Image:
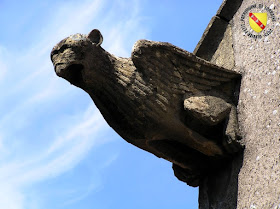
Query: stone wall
[[253, 179], [259, 107]]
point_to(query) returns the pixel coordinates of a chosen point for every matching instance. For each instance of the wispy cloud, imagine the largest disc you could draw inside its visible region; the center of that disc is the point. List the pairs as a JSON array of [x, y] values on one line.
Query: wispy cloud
[[3, 67], [48, 126], [65, 152]]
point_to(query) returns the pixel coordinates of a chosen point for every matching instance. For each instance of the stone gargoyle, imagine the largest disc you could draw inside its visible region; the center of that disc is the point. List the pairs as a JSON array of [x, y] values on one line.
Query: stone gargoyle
[[163, 99]]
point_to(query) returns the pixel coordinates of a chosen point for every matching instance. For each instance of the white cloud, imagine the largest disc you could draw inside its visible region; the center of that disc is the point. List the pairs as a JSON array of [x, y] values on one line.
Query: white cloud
[[64, 153], [31, 90], [11, 197], [3, 70], [3, 66]]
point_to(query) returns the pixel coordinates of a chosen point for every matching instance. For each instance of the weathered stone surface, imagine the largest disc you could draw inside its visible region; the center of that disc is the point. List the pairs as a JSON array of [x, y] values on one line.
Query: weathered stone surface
[[211, 38], [252, 180], [228, 9], [209, 109], [219, 189], [259, 109], [142, 98]]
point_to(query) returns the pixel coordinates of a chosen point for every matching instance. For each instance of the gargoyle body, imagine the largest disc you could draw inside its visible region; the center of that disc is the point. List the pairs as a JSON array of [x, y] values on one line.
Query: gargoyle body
[[163, 99]]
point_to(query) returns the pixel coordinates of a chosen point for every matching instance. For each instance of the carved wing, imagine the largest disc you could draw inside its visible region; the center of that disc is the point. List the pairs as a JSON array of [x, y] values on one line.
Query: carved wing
[[160, 60]]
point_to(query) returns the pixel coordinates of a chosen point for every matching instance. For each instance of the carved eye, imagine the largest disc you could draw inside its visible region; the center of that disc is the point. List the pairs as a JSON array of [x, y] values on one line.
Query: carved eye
[[57, 51], [60, 50]]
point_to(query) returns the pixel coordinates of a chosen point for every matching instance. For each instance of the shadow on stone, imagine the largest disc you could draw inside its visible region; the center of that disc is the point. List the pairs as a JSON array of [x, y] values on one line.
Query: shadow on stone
[[220, 188]]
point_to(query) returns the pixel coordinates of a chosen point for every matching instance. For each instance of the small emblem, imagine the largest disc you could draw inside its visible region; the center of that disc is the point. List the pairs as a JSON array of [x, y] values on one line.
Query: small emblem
[[258, 21]]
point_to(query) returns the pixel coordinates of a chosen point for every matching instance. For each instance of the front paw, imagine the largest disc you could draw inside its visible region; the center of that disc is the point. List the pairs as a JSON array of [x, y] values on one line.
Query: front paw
[[232, 141]]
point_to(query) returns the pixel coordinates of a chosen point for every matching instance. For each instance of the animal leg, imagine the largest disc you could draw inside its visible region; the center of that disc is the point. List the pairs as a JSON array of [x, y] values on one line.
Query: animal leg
[[232, 139]]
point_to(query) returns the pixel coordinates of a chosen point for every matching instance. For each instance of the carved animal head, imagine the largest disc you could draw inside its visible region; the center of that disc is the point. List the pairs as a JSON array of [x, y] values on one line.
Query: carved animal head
[[80, 59]]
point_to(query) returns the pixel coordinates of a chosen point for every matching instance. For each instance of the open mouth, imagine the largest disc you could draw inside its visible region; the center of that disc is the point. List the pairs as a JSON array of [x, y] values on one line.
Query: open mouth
[[74, 74]]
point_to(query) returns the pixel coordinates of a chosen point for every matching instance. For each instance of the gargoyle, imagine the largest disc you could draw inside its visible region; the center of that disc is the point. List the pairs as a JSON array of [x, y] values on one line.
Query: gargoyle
[[163, 99]]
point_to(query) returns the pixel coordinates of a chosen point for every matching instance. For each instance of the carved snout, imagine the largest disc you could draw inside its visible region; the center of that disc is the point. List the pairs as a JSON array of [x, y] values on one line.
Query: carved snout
[[71, 73], [69, 54], [67, 63]]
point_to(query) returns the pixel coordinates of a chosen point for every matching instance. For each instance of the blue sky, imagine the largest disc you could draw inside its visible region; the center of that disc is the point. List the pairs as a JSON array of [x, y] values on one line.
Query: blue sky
[[56, 151]]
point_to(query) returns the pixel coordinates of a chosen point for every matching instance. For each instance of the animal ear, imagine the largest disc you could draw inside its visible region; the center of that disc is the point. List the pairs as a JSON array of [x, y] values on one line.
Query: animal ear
[[96, 37]]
